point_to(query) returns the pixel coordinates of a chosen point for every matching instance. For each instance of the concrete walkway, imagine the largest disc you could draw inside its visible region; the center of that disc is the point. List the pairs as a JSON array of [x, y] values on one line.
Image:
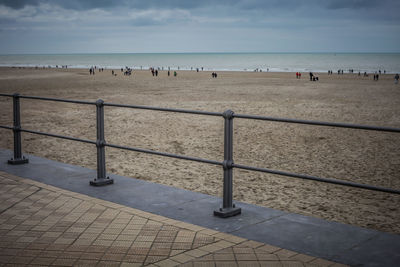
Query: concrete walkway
[[75, 208], [45, 225]]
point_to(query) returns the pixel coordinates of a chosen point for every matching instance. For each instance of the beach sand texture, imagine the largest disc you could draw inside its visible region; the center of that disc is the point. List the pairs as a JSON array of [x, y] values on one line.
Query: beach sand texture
[[356, 155]]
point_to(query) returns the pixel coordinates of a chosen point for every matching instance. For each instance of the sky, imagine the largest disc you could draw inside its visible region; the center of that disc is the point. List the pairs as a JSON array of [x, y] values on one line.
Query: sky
[[181, 26]]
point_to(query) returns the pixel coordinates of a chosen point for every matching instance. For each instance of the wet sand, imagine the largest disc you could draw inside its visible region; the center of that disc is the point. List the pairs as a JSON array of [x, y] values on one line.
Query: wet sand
[[354, 155]]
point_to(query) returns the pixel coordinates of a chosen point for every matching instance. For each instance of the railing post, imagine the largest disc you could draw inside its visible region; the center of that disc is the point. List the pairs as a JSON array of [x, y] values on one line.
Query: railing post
[[101, 179], [18, 157], [228, 208]]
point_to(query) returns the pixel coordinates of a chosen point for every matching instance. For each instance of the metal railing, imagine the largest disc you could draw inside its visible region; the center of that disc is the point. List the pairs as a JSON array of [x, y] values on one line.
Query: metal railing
[[228, 207]]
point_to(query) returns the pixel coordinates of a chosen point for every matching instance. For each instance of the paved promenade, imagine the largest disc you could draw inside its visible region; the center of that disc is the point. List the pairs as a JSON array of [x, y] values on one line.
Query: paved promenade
[[45, 225], [50, 215]]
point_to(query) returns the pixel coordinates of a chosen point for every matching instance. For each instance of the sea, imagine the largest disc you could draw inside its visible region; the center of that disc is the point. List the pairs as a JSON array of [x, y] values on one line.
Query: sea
[[272, 62]]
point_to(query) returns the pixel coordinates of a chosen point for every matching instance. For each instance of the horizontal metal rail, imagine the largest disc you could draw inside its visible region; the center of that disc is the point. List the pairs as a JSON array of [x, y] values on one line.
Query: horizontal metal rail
[[58, 136], [319, 123], [319, 179], [52, 99], [165, 109], [213, 162], [196, 112], [59, 100], [7, 95], [6, 127], [147, 151], [242, 116]]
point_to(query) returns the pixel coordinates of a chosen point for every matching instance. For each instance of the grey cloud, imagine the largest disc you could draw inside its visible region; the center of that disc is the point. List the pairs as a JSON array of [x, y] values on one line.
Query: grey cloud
[[69, 4], [16, 4], [353, 4], [181, 4], [188, 4], [91, 4]]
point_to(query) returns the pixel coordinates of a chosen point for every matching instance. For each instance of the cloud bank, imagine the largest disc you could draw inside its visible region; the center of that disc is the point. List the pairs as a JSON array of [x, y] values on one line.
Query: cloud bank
[[44, 26]]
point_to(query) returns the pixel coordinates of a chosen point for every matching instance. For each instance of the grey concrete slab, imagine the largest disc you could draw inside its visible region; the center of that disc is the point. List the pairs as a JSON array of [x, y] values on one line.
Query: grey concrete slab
[[382, 250], [43, 169], [333, 241], [127, 191], [308, 235], [202, 211]]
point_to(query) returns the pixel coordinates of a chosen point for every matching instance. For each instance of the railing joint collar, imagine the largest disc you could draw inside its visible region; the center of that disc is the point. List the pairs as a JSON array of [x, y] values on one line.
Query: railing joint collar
[[228, 114], [227, 164], [99, 103], [100, 143]]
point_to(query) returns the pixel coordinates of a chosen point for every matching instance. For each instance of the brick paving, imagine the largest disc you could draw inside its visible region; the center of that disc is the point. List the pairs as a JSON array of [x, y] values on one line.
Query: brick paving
[[46, 225]]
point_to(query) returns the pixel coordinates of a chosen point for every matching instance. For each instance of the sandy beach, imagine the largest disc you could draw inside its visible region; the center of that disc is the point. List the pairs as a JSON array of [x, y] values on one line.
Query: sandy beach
[[355, 155]]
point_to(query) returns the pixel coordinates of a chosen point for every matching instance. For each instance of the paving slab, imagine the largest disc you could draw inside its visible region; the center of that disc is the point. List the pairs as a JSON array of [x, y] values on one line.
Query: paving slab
[[315, 236], [307, 235], [46, 225]]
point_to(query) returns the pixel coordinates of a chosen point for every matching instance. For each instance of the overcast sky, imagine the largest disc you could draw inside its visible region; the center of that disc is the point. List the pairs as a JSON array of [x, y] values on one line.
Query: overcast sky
[[107, 26]]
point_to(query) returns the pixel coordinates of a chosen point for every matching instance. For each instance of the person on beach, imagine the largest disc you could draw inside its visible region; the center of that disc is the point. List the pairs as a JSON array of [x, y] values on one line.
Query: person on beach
[[175, 74], [168, 73], [311, 76], [396, 78]]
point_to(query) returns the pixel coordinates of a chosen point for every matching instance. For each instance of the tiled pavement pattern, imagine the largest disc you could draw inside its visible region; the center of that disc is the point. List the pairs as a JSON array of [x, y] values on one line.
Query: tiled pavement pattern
[[45, 225]]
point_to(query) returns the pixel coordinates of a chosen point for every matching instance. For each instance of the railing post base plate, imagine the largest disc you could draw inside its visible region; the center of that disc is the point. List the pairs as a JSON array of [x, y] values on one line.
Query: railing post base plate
[[227, 212], [14, 161], [102, 181]]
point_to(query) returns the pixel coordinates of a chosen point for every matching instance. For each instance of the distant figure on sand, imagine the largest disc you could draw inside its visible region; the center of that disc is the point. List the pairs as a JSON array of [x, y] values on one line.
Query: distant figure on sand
[[313, 77], [396, 78], [175, 73]]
